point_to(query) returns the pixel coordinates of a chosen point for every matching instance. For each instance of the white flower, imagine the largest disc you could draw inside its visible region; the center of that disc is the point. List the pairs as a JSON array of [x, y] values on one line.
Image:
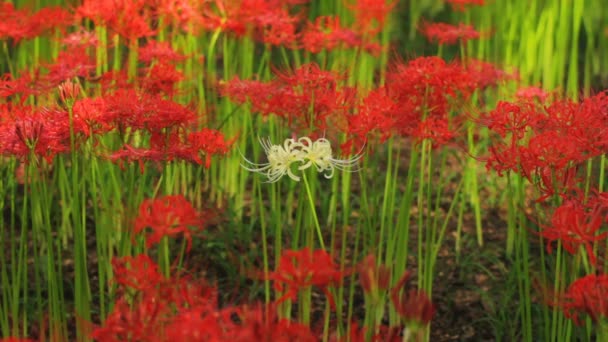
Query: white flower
[[303, 151]]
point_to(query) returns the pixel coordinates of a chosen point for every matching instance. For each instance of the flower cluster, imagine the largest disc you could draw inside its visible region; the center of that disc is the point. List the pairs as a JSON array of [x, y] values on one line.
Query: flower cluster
[[308, 98], [547, 144], [587, 296], [576, 225], [302, 151], [449, 34], [298, 270], [168, 216]]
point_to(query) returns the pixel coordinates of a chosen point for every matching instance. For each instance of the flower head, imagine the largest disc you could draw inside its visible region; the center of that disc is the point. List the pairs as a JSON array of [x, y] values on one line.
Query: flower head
[[587, 296], [302, 151]]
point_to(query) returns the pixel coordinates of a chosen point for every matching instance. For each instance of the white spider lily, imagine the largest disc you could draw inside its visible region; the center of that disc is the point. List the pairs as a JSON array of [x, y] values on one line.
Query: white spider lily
[[303, 151], [280, 159], [319, 154]]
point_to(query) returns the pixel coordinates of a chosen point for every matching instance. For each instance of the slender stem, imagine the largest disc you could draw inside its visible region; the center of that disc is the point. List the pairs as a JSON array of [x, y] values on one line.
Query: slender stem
[[313, 210]]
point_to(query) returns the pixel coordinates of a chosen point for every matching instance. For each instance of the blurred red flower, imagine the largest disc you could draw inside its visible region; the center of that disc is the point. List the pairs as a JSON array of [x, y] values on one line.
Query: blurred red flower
[[587, 296], [168, 216], [414, 306], [449, 34], [301, 269], [575, 226]]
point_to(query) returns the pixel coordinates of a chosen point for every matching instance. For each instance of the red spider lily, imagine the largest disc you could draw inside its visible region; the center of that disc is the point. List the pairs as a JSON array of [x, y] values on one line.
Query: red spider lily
[[195, 315], [270, 21], [549, 149], [373, 277], [308, 97], [158, 309], [586, 123], [158, 51], [371, 15], [139, 273], [425, 85], [486, 74], [547, 144], [448, 34], [414, 306], [129, 19], [160, 78], [277, 28], [23, 86], [128, 322], [176, 145], [13, 23], [428, 88], [575, 226], [435, 130], [68, 92], [141, 155], [21, 24], [70, 64], [587, 296], [198, 324], [301, 269], [48, 19], [531, 93], [326, 33], [139, 110], [88, 114], [168, 216], [127, 108], [512, 119], [25, 130], [206, 142], [460, 5], [377, 114], [261, 323], [81, 39]]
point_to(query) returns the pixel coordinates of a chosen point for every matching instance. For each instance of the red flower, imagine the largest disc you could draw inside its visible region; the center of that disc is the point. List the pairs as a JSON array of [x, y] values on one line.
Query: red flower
[[160, 78], [167, 216], [23, 86], [373, 277], [13, 23], [153, 308], [72, 63], [428, 88], [301, 269], [587, 295], [139, 273], [47, 19], [261, 323], [42, 131], [158, 51], [486, 74], [206, 142], [326, 33], [414, 306], [370, 15], [80, 38], [531, 93], [308, 97], [435, 130], [575, 226], [448, 34]]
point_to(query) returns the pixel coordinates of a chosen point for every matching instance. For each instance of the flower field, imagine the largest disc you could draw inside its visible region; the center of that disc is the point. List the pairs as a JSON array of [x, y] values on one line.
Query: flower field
[[303, 170]]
